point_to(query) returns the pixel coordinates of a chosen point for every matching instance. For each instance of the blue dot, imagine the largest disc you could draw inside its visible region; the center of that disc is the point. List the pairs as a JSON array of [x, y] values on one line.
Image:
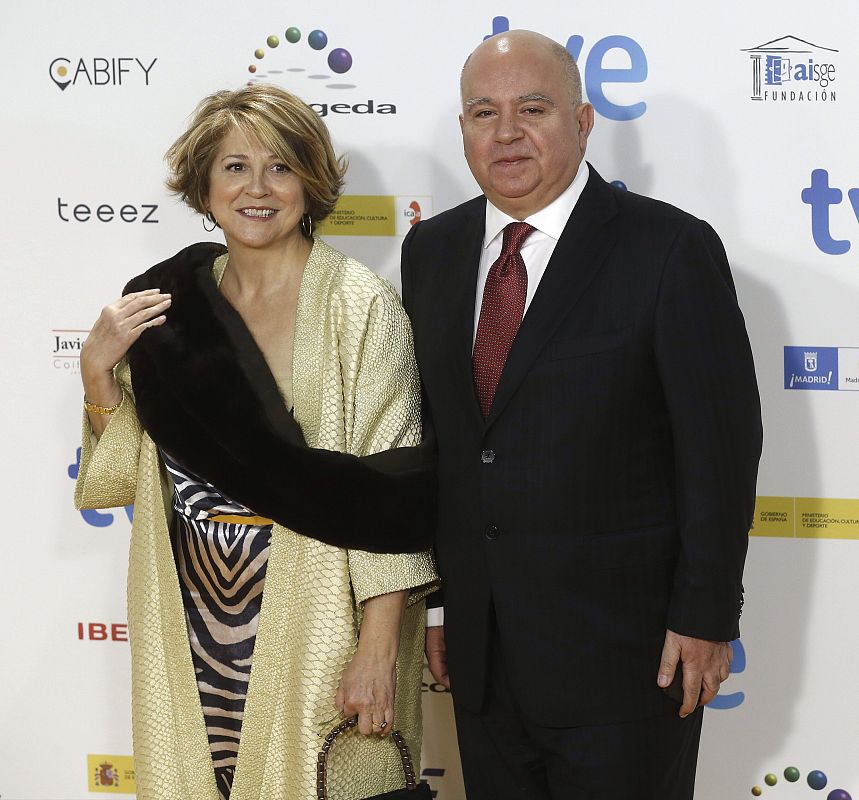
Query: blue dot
[[838, 794], [619, 185], [340, 60], [317, 39], [816, 779]]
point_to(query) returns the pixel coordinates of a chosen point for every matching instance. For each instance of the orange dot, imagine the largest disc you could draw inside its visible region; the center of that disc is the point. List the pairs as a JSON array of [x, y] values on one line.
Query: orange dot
[[62, 71]]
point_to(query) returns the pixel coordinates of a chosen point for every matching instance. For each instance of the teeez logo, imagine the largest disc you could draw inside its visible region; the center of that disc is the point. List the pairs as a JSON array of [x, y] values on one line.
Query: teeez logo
[[99, 71], [106, 212]]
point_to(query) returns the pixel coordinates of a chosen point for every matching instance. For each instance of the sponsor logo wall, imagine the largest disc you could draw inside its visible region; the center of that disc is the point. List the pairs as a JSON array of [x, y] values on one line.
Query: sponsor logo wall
[[743, 116]]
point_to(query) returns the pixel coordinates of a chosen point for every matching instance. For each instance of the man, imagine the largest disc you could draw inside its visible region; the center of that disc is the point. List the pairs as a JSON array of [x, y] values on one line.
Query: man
[[597, 461]]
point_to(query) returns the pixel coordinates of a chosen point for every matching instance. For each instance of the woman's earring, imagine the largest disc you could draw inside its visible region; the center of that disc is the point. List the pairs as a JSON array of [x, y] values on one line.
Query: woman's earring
[[307, 225], [208, 216]]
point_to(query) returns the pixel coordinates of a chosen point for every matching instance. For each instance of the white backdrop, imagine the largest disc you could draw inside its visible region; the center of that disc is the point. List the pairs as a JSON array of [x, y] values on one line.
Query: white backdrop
[[745, 116]]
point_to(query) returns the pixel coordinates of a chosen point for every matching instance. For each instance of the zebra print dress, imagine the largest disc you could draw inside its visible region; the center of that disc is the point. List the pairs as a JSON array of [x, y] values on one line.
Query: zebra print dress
[[221, 550]]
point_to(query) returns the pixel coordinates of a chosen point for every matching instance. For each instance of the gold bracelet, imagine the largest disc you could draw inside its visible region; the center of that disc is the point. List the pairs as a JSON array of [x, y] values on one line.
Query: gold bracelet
[[104, 410]]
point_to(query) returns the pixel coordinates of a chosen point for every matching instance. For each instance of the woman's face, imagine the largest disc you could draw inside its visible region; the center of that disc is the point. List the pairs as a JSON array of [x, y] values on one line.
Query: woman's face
[[256, 199]]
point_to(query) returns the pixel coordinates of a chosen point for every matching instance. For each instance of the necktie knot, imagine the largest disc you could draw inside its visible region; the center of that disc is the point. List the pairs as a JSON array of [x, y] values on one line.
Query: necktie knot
[[514, 236]]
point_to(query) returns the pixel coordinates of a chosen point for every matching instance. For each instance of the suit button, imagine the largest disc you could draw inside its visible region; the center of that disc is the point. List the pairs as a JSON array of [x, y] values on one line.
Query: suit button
[[491, 532], [487, 456]]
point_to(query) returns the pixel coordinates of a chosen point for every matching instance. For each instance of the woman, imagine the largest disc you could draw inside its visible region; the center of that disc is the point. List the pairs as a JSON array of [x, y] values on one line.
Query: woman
[[240, 361]]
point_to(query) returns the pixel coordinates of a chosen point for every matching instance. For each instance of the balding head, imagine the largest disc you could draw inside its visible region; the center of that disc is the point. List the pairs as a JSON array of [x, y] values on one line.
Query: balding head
[[533, 42]]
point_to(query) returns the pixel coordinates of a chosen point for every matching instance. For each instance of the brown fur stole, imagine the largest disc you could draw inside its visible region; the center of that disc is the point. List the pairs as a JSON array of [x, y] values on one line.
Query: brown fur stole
[[206, 395]]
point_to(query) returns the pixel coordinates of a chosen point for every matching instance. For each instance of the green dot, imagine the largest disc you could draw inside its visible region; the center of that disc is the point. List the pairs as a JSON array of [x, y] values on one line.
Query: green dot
[[757, 791], [292, 35], [791, 774], [770, 779], [272, 41], [259, 53]]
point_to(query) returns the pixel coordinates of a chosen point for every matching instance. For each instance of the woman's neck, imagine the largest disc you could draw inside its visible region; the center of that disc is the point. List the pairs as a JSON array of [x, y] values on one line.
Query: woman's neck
[[254, 272]]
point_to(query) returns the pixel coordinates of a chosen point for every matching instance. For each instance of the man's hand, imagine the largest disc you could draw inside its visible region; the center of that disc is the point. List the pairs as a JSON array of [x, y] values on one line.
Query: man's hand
[[706, 665], [437, 654]]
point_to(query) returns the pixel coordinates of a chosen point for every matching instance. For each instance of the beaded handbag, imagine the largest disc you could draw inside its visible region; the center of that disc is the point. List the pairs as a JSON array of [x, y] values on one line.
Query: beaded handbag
[[412, 791]]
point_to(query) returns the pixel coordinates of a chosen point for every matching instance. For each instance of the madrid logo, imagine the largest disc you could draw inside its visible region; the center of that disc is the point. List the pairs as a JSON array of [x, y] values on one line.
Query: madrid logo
[[309, 56]]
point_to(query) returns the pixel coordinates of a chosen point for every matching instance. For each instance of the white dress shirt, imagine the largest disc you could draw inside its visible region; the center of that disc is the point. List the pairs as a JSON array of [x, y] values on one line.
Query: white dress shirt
[[537, 249]]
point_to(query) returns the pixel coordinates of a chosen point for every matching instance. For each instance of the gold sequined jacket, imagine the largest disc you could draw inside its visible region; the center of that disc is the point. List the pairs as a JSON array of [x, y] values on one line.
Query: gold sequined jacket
[[355, 389]]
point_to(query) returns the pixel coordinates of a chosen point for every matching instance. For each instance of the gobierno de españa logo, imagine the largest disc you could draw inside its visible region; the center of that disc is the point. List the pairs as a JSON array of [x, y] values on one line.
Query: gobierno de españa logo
[[338, 60]]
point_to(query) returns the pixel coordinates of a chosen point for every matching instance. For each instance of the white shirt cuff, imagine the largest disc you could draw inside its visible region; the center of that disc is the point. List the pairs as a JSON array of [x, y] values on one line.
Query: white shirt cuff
[[435, 616]]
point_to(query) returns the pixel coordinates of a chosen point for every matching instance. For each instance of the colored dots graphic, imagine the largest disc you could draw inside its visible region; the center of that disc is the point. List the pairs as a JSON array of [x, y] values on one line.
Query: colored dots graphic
[[340, 60], [317, 39], [816, 779]]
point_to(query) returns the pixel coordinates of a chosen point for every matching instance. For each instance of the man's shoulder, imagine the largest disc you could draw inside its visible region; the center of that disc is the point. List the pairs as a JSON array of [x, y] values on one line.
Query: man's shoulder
[[468, 213], [648, 210]]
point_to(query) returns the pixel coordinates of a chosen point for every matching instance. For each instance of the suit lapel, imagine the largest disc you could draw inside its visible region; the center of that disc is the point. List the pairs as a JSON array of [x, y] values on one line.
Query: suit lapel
[[460, 293], [578, 257]]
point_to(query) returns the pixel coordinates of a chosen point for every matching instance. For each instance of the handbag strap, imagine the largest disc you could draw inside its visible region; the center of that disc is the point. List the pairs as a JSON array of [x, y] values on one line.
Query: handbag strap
[[322, 758]]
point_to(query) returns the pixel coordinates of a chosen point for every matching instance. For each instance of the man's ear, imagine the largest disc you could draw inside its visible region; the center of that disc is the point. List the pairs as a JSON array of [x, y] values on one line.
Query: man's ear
[[585, 119]]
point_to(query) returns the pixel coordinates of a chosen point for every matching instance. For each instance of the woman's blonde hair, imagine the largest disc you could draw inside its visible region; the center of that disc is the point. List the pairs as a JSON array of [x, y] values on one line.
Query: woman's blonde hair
[[281, 122]]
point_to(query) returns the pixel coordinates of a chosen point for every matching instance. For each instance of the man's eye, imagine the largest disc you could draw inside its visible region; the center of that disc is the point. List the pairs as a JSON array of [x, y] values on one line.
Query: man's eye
[[483, 113], [532, 110]]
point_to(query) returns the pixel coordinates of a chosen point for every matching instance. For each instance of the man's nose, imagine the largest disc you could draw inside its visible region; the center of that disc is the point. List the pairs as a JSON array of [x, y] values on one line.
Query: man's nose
[[508, 128]]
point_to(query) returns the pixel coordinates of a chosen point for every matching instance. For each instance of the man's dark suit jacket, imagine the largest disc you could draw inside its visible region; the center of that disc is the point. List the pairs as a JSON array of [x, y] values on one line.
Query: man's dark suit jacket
[[609, 493]]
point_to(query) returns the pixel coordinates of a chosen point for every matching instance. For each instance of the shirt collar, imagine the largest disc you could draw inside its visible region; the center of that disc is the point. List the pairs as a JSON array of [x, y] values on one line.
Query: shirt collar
[[549, 220]]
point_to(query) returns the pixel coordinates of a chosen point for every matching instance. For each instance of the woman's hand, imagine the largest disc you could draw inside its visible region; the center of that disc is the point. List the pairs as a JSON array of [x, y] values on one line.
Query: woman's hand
[[118, 327], [367, 688], [368, 685]]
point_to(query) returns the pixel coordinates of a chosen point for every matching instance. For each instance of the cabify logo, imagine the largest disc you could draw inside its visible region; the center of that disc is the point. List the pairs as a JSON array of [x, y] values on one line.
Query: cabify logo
[[311, 57], [99, 71]]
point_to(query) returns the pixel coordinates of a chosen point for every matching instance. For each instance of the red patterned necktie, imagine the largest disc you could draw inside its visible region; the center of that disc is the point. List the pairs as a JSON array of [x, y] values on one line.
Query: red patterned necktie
[[500, 314]]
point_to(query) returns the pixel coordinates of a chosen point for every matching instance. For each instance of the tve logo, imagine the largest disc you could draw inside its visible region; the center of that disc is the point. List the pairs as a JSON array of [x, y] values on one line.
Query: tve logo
[[595, 75], [820, 196], [732, 700], [98, 519]]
